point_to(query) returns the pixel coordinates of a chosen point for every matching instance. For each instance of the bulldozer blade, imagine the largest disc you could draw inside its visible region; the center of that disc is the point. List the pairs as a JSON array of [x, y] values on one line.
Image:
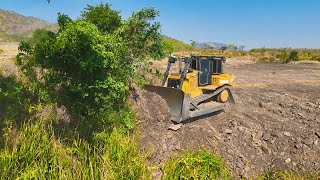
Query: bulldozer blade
[[177, 101]]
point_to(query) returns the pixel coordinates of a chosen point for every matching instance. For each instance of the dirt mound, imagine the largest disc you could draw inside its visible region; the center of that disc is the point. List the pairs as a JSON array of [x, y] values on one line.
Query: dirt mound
[[150, 107]]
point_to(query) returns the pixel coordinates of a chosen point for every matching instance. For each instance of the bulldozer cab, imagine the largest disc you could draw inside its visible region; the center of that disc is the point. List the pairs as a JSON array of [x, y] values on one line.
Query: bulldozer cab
[[207, 66]]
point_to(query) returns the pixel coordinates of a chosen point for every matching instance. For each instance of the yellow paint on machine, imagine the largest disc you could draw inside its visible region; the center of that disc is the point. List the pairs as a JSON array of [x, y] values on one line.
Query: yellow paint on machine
[[190, 84]]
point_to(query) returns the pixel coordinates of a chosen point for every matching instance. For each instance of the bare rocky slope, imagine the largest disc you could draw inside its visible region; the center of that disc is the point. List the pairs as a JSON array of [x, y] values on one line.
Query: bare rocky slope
[[13, 24]]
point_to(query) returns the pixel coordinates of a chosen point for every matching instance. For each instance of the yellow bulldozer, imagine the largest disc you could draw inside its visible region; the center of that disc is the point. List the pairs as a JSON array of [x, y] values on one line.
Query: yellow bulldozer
[[199, 88]]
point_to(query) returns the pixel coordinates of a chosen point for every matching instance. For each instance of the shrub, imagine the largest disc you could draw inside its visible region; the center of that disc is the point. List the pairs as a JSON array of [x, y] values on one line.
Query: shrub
[[40, 35], [195, 165], [88, 65], [283, 55], [293, 55], [15, 103]]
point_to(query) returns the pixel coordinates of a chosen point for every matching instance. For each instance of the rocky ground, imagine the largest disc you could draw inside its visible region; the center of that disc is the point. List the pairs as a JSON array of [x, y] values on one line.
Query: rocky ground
[[275, 123]]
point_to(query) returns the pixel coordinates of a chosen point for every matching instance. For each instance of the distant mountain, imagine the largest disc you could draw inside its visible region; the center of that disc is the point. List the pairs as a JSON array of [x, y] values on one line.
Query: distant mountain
[[211, 45], [14, 25]]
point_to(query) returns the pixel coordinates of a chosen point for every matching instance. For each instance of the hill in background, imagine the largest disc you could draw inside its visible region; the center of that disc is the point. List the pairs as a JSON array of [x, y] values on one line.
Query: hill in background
[[177, 45], [16, 27]]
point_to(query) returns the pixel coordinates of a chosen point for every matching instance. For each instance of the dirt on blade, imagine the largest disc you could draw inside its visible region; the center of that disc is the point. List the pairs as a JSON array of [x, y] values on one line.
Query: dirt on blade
[[275, 123]]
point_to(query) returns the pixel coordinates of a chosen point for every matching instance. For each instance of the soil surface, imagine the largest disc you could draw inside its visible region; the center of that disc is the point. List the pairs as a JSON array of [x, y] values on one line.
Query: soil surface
[[274, 124], [10, 50]]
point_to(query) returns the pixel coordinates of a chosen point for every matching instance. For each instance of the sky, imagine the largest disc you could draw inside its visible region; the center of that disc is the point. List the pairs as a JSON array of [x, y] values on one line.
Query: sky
[[253, 23]]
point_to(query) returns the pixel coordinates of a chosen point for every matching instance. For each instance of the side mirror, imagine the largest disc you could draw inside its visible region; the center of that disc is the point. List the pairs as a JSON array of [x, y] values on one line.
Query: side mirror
[[187, 60], [223, 59]]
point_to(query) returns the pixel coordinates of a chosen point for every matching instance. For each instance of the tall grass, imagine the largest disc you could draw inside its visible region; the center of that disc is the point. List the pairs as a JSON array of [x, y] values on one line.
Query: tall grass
[[36, 152], [195, 165]]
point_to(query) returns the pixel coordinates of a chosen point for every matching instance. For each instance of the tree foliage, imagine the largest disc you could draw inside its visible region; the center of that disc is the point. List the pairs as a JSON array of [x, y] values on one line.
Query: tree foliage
[[293, 55], [106, 19], [88, 64], [63, 20], [143, 36], [194, 43]]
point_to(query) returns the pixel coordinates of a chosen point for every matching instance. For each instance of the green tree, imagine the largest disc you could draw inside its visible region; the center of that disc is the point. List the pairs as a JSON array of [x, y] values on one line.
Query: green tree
[[40, 35], [194, 43], [223, 48], [143, 36], [242, 47], [63, 20], [106, 19], [293, 55], [232, 47], [88, 69]]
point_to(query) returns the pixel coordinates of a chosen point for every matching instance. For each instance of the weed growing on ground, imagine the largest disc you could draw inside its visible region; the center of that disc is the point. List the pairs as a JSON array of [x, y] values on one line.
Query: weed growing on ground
[[199, 164]]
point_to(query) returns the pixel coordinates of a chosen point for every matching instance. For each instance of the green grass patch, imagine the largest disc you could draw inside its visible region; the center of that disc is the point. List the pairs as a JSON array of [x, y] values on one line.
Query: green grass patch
[[36, 152], [174, 45], [199, 164]]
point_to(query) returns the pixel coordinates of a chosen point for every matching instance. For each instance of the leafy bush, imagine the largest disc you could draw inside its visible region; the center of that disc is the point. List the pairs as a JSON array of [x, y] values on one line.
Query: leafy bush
[[15, 103], [88, 65], [283, 55], [195, 165], [87, 68], [293, 55], [40, 35]]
